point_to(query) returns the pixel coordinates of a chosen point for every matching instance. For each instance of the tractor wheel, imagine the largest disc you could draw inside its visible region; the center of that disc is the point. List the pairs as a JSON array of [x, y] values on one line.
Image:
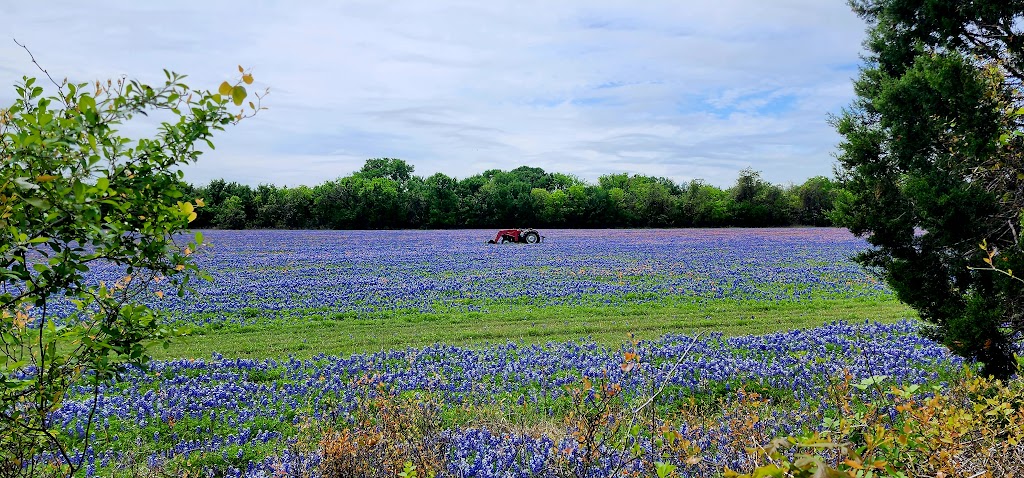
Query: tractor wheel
[[531, 237]]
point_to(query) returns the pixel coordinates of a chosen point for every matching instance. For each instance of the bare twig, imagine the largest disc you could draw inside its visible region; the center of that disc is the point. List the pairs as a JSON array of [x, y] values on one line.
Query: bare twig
[[33, 57], [671, 372]]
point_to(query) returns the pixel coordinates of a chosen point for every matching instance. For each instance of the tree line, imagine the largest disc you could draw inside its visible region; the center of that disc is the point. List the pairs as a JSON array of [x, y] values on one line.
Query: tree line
[[385, 194]]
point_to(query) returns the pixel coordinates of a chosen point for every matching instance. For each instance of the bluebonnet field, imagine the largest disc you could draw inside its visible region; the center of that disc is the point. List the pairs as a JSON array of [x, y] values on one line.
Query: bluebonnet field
[[284, 274], [242, 417]]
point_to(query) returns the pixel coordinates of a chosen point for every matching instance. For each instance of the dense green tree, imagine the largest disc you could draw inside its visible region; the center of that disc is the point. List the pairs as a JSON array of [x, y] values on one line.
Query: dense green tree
[[414, 207], [371, 198], [216, 194], [611, 181], [554, 207], [380, 203], [758, 203], [598, 208], [504, 199], [815, 199], [268, 202], [535, 177], [230, 214], [538, 200], [576, 203], [562, 181], [396, 170], [617, 213], [443, 201], [296, 207], [649, 202], [703, 205], [931, 165]]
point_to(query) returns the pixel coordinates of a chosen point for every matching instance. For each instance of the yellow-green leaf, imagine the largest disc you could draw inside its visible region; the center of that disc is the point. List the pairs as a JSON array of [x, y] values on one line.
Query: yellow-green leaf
[[87, 103], [38, 203], [225, 88], [247, 78], [45, 178], [238, 95]]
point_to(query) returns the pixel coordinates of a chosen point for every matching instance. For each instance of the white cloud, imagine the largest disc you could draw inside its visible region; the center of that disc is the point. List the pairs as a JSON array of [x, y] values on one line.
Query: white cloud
[[680, 89]]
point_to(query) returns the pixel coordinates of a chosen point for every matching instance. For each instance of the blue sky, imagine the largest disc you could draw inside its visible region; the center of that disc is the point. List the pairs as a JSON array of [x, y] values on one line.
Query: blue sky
[[682, 89]]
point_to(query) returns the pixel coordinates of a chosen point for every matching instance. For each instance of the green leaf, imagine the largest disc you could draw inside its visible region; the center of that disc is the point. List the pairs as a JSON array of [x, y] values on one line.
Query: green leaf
[[238, 95], [87, 103], [38, 203], [664, 469], [79, 189]]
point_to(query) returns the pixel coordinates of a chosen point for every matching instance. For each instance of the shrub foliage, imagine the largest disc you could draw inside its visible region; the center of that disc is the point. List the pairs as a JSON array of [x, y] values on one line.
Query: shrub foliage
[[74, 194]]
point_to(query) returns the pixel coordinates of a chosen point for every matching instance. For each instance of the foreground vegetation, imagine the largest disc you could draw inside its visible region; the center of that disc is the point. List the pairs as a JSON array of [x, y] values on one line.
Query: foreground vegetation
[[866, 394]]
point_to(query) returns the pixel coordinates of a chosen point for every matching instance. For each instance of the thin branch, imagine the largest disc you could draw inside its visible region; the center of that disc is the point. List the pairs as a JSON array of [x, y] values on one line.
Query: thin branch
[[994, 269], [33, 57], [671, 372], [92, 410]]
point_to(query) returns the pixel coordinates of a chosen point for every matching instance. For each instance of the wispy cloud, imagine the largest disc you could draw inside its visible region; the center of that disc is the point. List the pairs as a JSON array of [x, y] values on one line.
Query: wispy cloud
[[679, 89]]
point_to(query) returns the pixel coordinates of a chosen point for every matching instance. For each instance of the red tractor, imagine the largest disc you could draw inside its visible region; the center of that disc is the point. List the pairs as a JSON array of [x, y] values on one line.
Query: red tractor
[[524, 236]]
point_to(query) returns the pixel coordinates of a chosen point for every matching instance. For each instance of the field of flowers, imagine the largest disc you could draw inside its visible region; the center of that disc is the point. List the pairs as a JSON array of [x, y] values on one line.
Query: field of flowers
[[289, 274], [239, 417], [514, 409]]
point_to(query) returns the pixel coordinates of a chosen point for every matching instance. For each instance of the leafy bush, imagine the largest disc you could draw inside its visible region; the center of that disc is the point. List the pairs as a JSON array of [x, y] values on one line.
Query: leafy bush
[[976, 428], [73, 193]]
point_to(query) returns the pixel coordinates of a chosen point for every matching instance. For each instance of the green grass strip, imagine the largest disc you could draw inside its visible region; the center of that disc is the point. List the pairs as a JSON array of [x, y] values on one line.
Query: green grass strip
[[608, 325]]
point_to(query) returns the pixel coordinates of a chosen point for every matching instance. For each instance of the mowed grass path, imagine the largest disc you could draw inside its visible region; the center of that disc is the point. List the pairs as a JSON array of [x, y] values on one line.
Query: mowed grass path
[[609, 325]]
